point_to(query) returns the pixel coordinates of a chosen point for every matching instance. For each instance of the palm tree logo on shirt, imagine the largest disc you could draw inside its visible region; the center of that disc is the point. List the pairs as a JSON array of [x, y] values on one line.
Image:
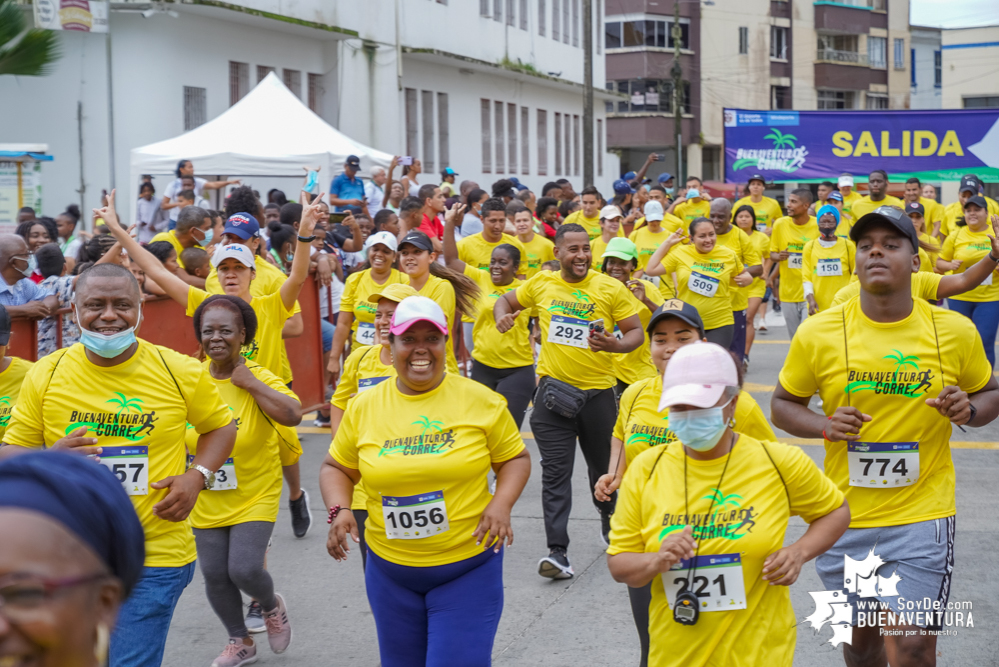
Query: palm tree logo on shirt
[[901, 361], [721, 500], [427, 425], [124, 404], [581, 296]]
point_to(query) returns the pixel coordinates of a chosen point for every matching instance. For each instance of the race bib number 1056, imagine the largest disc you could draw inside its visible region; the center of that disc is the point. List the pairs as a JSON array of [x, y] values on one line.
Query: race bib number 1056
[[414, 517]]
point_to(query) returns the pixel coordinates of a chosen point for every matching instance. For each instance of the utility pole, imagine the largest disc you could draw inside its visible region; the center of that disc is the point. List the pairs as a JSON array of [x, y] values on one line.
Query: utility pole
[[677, 73], [588, 93]]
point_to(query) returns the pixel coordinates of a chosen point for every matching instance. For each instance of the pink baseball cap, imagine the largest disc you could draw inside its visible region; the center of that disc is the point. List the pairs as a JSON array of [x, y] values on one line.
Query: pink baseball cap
[[415, 309], [697, 375]]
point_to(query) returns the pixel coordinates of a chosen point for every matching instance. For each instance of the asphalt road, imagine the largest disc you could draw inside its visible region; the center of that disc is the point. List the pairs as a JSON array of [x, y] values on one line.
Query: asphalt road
[[586, 620]]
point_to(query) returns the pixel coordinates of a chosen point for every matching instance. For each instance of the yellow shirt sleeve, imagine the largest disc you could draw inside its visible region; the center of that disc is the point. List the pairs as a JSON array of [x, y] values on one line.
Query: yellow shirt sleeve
[[344, 448], [807, 262], [349, 295], [947, 251], [749, 418], [206, 411], [626, 522], [195, 297], [812, 494], [797, 376], [750, 255], [503, 439], [26, 428], [976, 371], [348, 380], [526, 294], [627, 405], [625, 304]]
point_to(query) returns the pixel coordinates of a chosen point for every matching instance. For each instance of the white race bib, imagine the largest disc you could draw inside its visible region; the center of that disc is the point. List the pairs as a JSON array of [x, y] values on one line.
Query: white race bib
[[702, 284], [794, 260], [988, 280], [829, 267], [569, 331], [225, 477], [761, 226], [367, 383], [414, 517], [717, 582], [883, 465], [365, 333], [130, 464]]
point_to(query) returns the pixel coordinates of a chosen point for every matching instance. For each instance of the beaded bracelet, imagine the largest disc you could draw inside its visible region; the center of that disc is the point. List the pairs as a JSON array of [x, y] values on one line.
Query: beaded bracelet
[[334, 511]]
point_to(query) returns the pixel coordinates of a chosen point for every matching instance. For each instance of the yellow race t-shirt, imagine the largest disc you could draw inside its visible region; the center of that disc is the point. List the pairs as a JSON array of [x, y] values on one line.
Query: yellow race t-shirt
[[267, 347], [646, 243], [738, 241], [865, 205], [767, 211], [969, 247], [138, 411], [792, 238], [828, 269], [539, 250], [887, 370], [955, 211], [424, 462], [848, 203], [10, 388], [761, 242], [705, 281], [356, 290], [924, 286], [490, 347], [931, 257], [476, 251], [737, 521], [591, 225], [633, 366], [689, 211], [248, 487], [640, 425], [597, 248], [565, 311], [171, 238], [933, 213], [442, 292]]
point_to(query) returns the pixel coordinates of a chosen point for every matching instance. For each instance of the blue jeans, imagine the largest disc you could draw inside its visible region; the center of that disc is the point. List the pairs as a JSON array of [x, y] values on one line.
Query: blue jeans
[[327, 329], [140, 635], [985, 315], [436, 616]]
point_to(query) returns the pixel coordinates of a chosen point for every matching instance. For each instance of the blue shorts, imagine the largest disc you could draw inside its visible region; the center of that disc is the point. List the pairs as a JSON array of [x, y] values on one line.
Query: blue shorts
[[922, 554]]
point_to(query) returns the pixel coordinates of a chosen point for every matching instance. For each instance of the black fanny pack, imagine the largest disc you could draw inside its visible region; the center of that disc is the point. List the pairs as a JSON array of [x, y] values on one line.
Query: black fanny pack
[[562, 398]]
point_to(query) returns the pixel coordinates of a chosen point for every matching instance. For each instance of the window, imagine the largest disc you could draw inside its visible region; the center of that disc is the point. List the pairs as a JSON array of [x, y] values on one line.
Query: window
[[443, 134], [262, 72], [498, 10], [835, 99], [876, 52], [239, 81], [567, 140], [541, 17], [985, 102], [899, 54], [648, 95], [293, 79], [612, 34], [525, 141], [877, 101], [659, 34], [600, 147], [566, 27], [427, 155], [487, 137], [412, 132], [195, 107], [575, 145], [780, 97], [500, 148], [484, 8], [555, 21], [511, 129], [743, 40], [542, 142], [711, 163], [510, 18], [523, 14], [558, 143], [937, 69], [596, 36], [912, 67], [778, 43], [575, 22], [315, 91]]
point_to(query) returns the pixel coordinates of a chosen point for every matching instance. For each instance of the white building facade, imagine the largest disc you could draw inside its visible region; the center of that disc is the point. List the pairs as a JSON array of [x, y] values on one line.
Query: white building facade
[[492, 89], [927, 68]]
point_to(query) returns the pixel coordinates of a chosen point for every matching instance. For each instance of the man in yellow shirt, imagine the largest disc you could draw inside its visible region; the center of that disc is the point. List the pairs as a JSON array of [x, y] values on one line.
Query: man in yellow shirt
[[850, 196], [193, 230], [130, 403], [894, 374], [877, 182], [577, 309], [477, 250], [690, 207], [933, 213], [787, 245], [730, 236], [588, 217], [767, 209]]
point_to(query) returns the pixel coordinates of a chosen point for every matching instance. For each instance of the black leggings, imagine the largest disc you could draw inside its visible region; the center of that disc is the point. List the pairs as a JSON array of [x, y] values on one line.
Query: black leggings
[[516, 385], [722, 335], [361, 516], [640, 599]]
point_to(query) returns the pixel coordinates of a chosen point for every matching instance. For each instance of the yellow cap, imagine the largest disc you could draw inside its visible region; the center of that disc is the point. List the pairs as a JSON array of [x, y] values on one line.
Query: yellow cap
[[394, 292]]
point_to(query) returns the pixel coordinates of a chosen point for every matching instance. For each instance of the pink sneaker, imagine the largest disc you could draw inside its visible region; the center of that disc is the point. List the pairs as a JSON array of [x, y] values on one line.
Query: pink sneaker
[[278, 626], [235, 654]]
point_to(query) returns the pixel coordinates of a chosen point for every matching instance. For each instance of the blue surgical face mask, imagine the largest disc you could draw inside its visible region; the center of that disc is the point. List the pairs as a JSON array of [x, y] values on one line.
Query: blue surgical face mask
[[669, 191], [289, 257], [209, 235], [26, 271], [107, 346], [699, 429]]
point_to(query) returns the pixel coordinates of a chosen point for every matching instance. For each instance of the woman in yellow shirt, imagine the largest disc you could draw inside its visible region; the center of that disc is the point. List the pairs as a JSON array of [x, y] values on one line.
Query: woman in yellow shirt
[[705, 273], [720, 499], [641, 425], [827, 262], [233, 522], [356, 319], [966, 245], [745, 219], [424, 444]]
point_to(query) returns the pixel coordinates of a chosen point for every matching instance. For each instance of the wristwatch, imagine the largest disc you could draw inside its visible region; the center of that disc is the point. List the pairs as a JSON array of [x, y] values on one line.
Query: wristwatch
[[208, 475], [974, 413]]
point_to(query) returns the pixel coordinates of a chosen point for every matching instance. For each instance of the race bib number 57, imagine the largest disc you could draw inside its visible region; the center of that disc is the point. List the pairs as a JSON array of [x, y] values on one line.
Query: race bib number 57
[[130, 464]]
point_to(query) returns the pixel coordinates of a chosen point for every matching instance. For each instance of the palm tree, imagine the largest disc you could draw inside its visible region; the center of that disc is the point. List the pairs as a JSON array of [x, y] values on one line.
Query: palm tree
[[781, 140], [901, 360], [581, 296], [721, 499], [428, 425], [33, 53], [126, 404]]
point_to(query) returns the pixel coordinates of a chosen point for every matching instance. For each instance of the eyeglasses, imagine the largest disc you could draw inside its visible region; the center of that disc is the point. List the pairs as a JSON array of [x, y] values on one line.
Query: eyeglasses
[[24, 596]]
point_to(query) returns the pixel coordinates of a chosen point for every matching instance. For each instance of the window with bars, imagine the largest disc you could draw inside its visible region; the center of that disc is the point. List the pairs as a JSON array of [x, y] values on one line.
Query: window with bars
[[263, 71], [498, 118], [877, 101], [487, 136], [195, 107], [510, 17], [575, 22], [412, 130], [899, 54], [575, 145], [315, 92], [648, 95], [525, 141], [835, 99], [498, 10], [556, 15], [778, 42], [293, 79], [618, 34], [541, 17], [484, 8], [780, 97], [427, 103], [567, 141], [558, 143], [512, 138], [566, 21], [542, 142], [597, 37], [600, 147], [743, 40], [877, 52], [443, 133], [239, 81], [523, 14], [937, 69]]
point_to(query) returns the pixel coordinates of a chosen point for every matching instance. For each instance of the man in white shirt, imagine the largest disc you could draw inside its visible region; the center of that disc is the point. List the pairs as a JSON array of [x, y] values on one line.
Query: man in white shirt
[[373, 189]]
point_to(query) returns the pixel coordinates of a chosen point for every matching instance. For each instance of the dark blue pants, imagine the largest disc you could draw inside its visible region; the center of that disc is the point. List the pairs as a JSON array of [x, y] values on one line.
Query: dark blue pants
[[436, 616], [738, 345], [144, 619], [985, 315]]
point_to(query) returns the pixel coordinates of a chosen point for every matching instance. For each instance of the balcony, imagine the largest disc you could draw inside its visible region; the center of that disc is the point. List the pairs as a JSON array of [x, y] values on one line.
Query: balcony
[[841, 57]]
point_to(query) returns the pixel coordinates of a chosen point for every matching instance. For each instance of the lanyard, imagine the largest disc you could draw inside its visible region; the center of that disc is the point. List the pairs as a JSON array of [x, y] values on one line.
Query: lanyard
[[693, 570]]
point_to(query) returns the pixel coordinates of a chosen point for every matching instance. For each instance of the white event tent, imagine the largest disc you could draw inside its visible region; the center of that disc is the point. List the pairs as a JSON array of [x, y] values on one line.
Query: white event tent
[[269, 132]]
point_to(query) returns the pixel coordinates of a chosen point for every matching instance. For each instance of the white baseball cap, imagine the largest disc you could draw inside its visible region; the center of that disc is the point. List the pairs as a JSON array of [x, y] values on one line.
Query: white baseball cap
[[610, 212], [415, 309], [846, 181], [385, 238], [236, 251], [653, 210], [697, 375]]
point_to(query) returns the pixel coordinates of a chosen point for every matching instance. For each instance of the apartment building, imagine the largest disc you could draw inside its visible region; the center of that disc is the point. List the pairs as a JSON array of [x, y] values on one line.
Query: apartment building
[[926, 68], [754, 54], [492, 88]]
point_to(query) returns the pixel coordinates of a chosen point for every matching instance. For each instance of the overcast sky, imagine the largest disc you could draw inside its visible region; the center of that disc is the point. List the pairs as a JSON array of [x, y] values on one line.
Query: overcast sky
[[954, 13]]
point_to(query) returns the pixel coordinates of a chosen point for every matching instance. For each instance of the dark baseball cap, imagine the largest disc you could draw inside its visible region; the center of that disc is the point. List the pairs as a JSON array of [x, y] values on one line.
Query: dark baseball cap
[[665, 176], [835, 195], [915, 207], [978, 201], [757, 177], [243, 225], [622, 187], [517, 184], [417, 239], [969, 184], [891, 216], [353, 161], [4, 326], [679, 309]]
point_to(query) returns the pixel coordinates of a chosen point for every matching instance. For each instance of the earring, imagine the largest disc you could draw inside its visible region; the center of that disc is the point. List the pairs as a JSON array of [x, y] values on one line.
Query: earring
[[102, 643], [731, 422]]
